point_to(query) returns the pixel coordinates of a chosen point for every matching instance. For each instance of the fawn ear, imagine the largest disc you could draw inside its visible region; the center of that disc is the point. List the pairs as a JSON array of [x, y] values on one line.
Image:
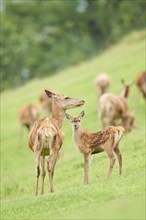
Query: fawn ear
[[68, 116], [82, 114]]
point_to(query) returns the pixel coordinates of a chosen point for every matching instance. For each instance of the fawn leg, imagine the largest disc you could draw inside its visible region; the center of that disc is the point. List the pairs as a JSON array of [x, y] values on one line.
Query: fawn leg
[[112, 162], [119, 156], [86, 167]]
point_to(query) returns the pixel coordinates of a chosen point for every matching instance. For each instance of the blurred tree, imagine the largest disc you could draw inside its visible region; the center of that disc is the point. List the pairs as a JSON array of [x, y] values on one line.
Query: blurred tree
[[40, 37]]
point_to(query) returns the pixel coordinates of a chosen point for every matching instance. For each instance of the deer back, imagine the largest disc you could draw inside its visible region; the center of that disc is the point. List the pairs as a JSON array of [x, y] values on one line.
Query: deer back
[[113, 105], [97, 141], [45, 127]]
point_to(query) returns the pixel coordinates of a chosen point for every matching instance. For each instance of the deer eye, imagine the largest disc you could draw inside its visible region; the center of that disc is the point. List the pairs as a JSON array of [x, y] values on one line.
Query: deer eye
[[66, 98]]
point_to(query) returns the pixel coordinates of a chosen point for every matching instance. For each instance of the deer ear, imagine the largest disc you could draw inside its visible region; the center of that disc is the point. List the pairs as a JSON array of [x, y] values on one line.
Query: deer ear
[[122, 81], [49, 93], [82, 114], [68, 116]]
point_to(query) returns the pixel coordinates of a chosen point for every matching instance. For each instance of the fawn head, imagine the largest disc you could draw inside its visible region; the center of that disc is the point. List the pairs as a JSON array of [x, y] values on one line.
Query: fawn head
[[75, 120]]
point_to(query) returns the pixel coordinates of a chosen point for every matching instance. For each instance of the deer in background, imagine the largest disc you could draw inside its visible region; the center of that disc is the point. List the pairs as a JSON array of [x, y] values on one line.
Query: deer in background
[[45, 138], [128, 122], [140, 82], [92, 143], [102, 83], [113, 107], [46, 103], [27, 116]]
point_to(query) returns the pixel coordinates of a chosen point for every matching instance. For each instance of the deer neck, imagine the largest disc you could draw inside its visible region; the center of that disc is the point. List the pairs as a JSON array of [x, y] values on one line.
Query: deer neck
[[58, 113], [77, 135], [125, 93]]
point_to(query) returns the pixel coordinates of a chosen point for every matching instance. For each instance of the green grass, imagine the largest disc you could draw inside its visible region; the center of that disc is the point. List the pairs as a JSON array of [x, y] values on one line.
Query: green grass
[[118, 198]]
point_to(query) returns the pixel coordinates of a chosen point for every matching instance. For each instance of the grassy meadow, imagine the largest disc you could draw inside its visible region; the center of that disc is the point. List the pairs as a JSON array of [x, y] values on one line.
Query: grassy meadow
[[118, 198]]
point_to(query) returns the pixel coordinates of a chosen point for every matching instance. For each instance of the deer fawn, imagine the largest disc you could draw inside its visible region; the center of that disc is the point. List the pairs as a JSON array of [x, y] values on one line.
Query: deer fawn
[[91, 143], [45, 138], [113, 107]]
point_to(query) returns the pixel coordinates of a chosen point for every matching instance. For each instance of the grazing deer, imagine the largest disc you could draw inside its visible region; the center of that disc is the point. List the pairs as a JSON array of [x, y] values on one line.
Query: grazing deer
[[113, 107], [46, 103], [128, 122], [27, 116], [102, 83], [140, 82], [91, 143], [45, 137]]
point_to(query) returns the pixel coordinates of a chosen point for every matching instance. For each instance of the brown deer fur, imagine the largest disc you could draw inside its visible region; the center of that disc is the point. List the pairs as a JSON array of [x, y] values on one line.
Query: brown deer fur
[[140, 82], [91, 143], [102, 83], [45, 137], [28, 114], [113, 107], [128, 122]]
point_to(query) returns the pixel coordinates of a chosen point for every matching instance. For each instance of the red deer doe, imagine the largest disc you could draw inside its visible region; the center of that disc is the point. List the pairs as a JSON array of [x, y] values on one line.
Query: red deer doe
[[113, 107], [45, 138], [27, 116], [91, 143], [140, 82], [102, 83]]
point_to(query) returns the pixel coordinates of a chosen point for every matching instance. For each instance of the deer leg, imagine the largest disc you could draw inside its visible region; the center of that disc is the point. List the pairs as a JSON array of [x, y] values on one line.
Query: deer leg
[[119, 156], [101, 118], [51, 164], [43, 173], [112, 162], [86, 168], [37, 171]]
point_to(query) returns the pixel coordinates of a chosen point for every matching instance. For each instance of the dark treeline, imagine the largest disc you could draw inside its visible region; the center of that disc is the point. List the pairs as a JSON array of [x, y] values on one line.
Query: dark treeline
[[40, 37]]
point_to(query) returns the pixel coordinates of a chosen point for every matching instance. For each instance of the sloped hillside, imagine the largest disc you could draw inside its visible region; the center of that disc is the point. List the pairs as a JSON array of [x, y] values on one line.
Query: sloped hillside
[[72, 199]]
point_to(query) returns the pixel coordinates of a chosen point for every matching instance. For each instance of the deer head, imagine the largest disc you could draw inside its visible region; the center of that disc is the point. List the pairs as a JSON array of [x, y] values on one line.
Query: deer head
[[75, 120], [63, 101], [128, 122]]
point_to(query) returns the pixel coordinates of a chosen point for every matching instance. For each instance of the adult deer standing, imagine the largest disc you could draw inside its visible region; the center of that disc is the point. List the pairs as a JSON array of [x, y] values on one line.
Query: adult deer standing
[[45, 138], [113, 107], [91, 143]]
